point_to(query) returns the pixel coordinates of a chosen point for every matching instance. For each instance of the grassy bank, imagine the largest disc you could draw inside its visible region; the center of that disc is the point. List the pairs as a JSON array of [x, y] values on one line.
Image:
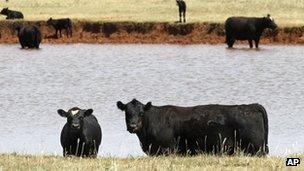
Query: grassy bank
[[21, 162], [147, 32], [286, 13]]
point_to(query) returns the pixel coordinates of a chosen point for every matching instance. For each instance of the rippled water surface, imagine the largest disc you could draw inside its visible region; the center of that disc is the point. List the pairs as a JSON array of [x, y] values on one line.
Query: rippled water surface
[[34, 84]]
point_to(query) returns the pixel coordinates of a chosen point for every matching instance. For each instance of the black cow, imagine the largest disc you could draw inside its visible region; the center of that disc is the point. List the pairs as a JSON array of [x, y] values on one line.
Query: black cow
[[59, 24], [81, 135], [182, 9], [10, 14], [216, 129], [247, 28], [29, 36]]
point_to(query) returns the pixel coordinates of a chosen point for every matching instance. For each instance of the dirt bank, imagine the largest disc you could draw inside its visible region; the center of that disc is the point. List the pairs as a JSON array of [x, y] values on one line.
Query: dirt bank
[[148, 32]]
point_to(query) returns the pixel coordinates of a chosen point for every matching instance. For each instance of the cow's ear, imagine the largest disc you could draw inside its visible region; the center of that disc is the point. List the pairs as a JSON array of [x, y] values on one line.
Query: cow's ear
[[62, 113], [88, 112], [268, 15], [121, 106], [148, 106]]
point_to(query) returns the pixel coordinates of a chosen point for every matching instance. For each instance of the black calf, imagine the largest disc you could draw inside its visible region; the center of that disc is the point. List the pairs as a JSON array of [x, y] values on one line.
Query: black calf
[[10, 14], [59, 24], [81, 135]]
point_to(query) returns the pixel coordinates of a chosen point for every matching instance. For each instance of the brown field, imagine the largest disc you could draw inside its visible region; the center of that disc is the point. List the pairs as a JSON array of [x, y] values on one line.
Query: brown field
[[285, 12]]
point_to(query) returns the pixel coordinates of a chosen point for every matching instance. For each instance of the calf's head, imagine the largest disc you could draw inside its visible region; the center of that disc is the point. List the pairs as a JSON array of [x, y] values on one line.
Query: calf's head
[[134, 113], [75, 117], [49, 21], [269, 22], [178, 2], [4, 11]]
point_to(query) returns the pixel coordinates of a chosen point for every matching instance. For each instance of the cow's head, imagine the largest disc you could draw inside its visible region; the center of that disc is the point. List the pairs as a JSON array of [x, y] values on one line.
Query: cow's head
[[134, 111], [4, 11], [75, 117], [49, 21], [269, 22]]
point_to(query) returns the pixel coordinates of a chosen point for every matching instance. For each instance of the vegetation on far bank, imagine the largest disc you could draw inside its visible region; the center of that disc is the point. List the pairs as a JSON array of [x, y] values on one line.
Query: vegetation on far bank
[[201, 162], [286, 13]]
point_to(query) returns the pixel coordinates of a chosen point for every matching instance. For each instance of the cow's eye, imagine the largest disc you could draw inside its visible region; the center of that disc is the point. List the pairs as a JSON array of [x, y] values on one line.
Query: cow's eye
[[141, 113]]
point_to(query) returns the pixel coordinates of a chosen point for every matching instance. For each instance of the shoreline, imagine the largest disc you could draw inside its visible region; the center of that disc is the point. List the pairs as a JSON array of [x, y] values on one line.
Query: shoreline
[[146, 33]]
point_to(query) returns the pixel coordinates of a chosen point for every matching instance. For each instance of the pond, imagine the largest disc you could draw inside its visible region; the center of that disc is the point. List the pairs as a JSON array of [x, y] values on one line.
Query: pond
[[35, 83]]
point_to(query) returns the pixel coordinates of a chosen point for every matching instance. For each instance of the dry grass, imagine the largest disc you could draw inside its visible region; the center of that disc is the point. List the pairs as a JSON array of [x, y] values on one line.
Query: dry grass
[[286, 13], [203, 162]]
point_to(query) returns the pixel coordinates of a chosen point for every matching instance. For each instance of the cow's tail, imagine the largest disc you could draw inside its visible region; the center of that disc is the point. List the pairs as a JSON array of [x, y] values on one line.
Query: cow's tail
[[265, 120]]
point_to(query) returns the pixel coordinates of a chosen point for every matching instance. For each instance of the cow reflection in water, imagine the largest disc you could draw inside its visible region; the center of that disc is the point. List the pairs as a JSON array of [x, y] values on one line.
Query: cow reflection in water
[[215, 129]]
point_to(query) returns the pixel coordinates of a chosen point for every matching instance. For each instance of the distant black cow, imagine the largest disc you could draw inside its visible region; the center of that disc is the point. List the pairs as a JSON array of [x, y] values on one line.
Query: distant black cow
[[192, 130], [59, 24], [182, 9], [10, 14], [81, 135], [247, 28], [29, 36]]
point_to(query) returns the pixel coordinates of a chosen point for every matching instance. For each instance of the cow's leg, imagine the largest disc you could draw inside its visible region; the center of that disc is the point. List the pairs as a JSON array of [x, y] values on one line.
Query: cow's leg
[[230, 42], [184, 14], [37, 45], [180, 16], [71, 32], [60, 33], [250, 43], [22, 45], [257, 40], [67, 32], [57, 33]]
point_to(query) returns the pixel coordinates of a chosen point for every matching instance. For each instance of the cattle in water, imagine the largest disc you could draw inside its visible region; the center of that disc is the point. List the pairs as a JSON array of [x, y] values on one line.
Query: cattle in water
[[60, 24], [29, 36], [212, 129], [81, 135], [10, 14], [181, 9], [247, 28]]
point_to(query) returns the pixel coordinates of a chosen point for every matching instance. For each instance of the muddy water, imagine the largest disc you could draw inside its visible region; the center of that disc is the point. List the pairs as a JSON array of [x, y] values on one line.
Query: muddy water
[[34, 84]]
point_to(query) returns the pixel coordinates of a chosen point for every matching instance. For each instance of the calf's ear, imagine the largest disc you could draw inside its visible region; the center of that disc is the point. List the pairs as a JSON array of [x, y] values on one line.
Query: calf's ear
[[121, 106], [62, 113], [148, 106], [88, 112]]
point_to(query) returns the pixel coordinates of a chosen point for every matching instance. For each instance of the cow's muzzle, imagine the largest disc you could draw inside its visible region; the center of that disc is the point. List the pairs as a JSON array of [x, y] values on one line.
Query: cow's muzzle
[[75, 126], [133, 128]]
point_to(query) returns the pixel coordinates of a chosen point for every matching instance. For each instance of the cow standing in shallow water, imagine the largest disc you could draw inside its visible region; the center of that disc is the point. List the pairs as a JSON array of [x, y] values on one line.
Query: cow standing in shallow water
[[247, 28], [81, 135], [59, 24], [181, 9], [193, 130], [29, 36], [10, 14]]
